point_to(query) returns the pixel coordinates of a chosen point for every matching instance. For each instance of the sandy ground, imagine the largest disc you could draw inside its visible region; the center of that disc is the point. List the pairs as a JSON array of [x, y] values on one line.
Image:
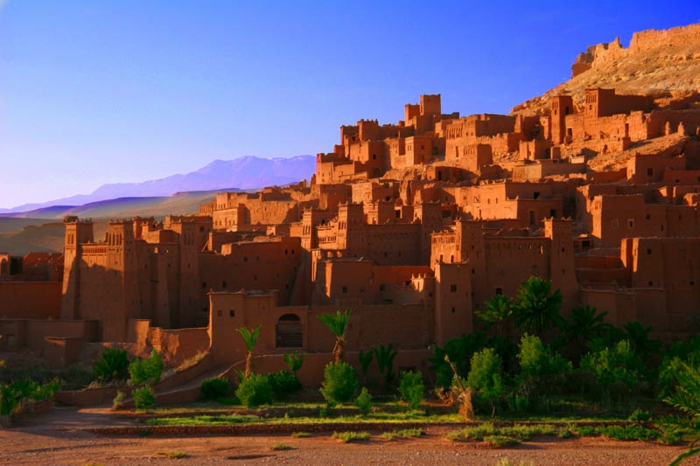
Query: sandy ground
[[60, 437]]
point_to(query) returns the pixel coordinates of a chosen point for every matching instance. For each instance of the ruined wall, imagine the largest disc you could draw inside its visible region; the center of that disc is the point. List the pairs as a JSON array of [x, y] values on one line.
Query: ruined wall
[[30, 300]]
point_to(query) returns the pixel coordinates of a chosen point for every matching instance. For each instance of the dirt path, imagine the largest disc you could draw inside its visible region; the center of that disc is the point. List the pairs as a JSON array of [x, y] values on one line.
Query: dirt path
[[60, 437]]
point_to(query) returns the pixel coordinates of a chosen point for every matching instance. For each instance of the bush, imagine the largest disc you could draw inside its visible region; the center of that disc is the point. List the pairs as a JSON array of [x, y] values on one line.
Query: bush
[[144, 398], [340, 382], [283, 383], [117, 401], [616, 364], [364, 401], [348, 437], [213, 389], [149, 368], [628, 433], [411, 388], [639, 415], [485, 377], [255, 391], [112, 365]]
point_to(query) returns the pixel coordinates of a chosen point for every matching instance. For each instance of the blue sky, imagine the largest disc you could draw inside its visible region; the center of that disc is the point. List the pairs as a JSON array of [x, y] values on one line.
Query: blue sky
[[126, 91]]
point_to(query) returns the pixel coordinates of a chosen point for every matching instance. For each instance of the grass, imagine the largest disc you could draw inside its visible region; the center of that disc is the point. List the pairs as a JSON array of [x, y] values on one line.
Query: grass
[[223, 420], [348, 437], [403, 433], [628, 433], [501, 441], [519, 432], [301, 434], [280, 447], [175, 455]]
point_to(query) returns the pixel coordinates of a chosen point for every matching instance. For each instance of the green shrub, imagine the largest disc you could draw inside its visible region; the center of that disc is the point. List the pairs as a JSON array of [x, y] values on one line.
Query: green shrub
[[112, 365], [340, 382], [301, 434], [485, 377], [255, 391], [294, 361], [213, 389], [587, 431], [9, 400], [640, 415], [149, 368], [118, 400], [628, 432], [564, 432], [411, 388], [364, 401], [616, 364], [144, 397], [45, 391], [280, 447], [500, 441], [348, 437], [283, 383]]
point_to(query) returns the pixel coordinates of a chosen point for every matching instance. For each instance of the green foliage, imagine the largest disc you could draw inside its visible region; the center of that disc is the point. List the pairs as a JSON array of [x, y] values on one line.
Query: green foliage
[[294, 361], [213, 389], [536, 310], [118, 400], [518, 431], [459, 351], [385, 361], [283, 384], [404, 433], [564, 433], [9, 400], [144, 397], [150, 368], [280, 447], [348, 437], [536, 359], [250, 338], [485, 376], [501, 441], [13, 394], [255, 391], [364, 402], [616, 364], [628, 432], [678, 355], [365, 360], [497, 313], [641, 341], [640, 415], [411, 388], [337, 323], [586, 324], [113, 364], [339, 382], [301, 434]]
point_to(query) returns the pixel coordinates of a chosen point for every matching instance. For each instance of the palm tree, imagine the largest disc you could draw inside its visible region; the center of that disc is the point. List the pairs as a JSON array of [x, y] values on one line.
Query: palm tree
[[536, 309], [584, 325], [498, 313], [250, 338], [687, 398], [337, 323], [641, 341]]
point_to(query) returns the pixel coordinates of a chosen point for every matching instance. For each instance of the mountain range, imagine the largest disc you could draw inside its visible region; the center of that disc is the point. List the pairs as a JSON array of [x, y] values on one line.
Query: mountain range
[[248, 172]]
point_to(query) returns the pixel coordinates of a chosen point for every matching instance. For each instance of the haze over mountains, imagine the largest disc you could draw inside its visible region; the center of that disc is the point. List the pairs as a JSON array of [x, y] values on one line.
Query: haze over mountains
[[248, 172]]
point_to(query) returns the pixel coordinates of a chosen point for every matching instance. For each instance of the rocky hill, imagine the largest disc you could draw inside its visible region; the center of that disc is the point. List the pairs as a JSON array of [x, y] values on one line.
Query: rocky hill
[[664, 64]]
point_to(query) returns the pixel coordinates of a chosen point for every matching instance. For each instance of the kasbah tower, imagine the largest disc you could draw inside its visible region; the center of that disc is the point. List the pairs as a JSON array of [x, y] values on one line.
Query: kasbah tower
[[411, 226]]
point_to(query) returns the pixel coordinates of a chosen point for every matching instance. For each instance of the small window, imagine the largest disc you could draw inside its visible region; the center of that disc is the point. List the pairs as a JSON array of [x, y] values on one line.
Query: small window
[[204, 285], [223, 284], [345, 289], [453, 310], [219, 312], [649, 252], [232, 313], [650, 172], [614, 223], [648, 217], [499, 291], [382, 287], [453, 288], [651, 283], [630, 223]]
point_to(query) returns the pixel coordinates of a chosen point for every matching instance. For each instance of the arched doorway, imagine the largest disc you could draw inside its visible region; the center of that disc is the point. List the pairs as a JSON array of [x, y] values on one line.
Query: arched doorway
[[288, 332]]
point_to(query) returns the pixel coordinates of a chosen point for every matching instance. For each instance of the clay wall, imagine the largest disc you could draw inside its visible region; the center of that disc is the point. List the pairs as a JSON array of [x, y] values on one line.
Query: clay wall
[[681, 177], [270, 264], [511, 261], [176, 346], [652, 38], [30, 300], [373, 191], [619, 304], [453, 301], [36, 331], [539, 170], [651, 168]]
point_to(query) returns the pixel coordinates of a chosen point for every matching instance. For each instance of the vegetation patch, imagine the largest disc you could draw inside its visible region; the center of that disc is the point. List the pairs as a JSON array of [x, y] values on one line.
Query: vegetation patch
[[348, 437], [176, 455], [403, 433], [500, 441], [628, 433], [301, 434], [203, 420], [280, 447]]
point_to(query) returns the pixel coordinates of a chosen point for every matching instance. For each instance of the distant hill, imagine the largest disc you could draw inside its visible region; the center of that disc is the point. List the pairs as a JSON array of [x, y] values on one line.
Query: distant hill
[[248, 172]]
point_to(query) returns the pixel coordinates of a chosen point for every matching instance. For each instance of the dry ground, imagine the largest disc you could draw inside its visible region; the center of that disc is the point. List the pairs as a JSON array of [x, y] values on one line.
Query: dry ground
[[60, 437]]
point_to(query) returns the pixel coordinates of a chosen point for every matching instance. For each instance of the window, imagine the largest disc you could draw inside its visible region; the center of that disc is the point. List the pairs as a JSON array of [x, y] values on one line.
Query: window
[[345, 289], [232, 313], [648, 217], [382, 287], [219, 312], [453, 288], [650, 172], [223, 284], [648, 252], [614, 223], [288, 332], [630, 223], [204, 285], [499, 291]]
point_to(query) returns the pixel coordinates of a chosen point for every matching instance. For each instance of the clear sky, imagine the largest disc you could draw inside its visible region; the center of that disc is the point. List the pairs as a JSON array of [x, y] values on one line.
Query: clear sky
[[93, 92]]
